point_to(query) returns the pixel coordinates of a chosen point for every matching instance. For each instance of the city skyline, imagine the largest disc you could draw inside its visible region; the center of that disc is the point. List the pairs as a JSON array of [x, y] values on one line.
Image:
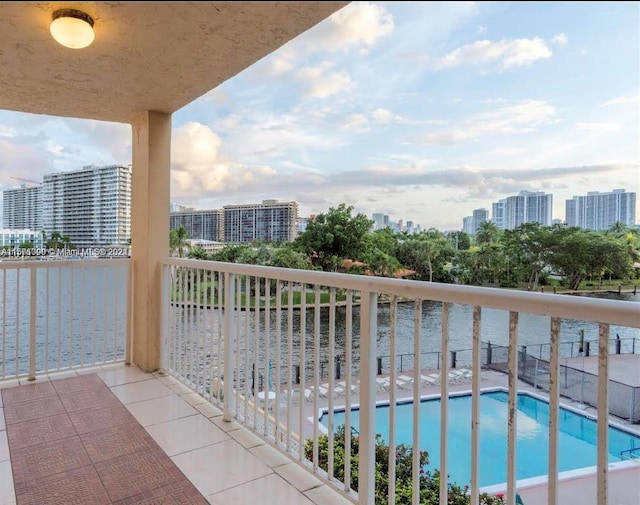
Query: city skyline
[[416, 110]]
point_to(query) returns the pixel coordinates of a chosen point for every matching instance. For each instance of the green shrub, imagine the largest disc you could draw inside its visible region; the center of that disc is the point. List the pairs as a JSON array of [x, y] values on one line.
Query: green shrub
[[429, 482]]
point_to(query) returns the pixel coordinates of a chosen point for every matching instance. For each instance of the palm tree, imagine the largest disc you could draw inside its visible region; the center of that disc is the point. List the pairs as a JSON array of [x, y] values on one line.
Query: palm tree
[[487, 233], [178, 240]]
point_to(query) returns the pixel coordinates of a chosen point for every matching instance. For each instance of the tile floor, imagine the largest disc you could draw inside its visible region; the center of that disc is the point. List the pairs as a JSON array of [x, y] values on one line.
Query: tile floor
[[118, 435]]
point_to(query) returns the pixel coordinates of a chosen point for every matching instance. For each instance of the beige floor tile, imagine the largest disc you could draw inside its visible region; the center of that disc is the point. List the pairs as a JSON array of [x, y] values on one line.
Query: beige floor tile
[[186, 434], [269, 489], [179, 388], [90, 370], [160, 410], [4, 446], [193, 398], [270, 456], [220, 466], [123, 375], [207, 409], [9, 383], [141, 391], [61, 375], [325, 495], [7, 493], [224, 425], [246, 438], [297, 476]]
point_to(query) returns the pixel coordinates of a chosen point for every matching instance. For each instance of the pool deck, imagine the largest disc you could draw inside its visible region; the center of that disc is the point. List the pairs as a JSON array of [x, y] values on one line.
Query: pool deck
[[623, 368]]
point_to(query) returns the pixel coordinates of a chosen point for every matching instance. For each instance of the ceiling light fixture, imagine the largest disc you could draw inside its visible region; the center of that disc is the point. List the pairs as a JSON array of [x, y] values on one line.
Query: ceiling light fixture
[[72, 28]]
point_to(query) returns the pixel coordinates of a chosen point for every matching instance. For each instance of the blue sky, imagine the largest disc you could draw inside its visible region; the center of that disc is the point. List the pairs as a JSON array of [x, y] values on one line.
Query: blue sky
[[422, 110]]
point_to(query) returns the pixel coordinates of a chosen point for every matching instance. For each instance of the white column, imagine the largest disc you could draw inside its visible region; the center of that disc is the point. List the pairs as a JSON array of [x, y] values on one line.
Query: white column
[[149, 232]]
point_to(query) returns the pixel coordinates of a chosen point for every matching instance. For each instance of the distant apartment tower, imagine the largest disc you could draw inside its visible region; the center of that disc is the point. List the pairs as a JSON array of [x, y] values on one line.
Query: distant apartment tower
[[497, 214], [467, 225], [599, 211], [479, 216], [176, 207], [200, 224], [525, 207], [22, 208], [270, 220], [380, 220], [91, 206], [470, 224]]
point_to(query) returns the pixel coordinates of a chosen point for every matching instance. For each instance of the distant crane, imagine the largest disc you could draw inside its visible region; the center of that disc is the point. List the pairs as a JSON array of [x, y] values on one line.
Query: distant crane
[[26, 180]]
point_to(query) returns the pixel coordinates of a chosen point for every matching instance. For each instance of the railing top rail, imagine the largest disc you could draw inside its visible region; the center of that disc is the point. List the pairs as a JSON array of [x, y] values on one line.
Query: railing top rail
[[23, 265], [552, 305]]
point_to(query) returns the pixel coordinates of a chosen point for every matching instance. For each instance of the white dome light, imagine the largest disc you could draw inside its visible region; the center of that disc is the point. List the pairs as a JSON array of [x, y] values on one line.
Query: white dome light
[[72, 28]]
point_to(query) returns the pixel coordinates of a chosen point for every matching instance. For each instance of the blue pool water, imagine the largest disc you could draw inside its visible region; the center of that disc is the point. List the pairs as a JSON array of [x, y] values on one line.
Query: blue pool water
[[577, 437]]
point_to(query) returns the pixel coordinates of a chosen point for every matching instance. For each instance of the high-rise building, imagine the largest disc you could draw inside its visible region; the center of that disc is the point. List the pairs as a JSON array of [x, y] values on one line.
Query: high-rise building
[[200, 224], [467, 225], [270, 220], [176, 207], [599, 211], [497, 214], [470, 224], [91, 206], [525, 207], [22, 208], [479, 216], [380, 220]]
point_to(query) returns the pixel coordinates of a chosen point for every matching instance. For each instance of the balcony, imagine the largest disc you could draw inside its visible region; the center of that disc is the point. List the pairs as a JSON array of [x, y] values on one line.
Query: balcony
[[228, 341], [248, 381]]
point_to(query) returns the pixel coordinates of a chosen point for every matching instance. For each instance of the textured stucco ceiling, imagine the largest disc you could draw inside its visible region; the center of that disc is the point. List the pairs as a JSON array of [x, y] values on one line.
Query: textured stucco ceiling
[[146, 55]]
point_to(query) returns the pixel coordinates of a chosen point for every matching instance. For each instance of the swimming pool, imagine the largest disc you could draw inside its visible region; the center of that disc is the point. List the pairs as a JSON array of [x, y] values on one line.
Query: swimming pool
[[577, 436]]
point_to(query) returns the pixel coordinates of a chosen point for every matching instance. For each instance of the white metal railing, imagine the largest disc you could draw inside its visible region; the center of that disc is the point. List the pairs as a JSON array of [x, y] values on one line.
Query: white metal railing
[[251, 339], [63, 314]]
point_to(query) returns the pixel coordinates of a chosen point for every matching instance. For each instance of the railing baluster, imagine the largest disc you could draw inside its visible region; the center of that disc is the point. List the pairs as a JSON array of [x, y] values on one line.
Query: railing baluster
[[444, 406], [554, 409], [247, 325], [475, 408], [229, 330], [331, 354], [278, 352], [392, 398], [348, 382], [83, 321], [603, 413], [4, 323], [316, 371], [33, 292], [59, 336], [46, 321], [238, 329], [267, 364], [116, 318], [290, 364], [303, 346], [94, 312], [417, 335], [368, 334], [17, 298], [512, 409], [256, 345], [104, 314]]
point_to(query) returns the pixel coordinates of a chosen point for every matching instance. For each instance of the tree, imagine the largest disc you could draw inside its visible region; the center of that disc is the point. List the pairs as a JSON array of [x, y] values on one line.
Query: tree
[[55, 241], [487, 233], [333, 237], [178, 240], [198, 253], [26, 245], [459, 240], [429, 482]]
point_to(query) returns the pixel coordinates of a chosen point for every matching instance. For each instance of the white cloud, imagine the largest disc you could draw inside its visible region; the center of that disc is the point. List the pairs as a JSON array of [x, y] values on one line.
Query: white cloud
[[482, 29], [354, 122], [510, 53], [597, 127], [357, 24], [622, 100], [382, 116], [561, 39], [320, 82], [523, 117], [197, 166]]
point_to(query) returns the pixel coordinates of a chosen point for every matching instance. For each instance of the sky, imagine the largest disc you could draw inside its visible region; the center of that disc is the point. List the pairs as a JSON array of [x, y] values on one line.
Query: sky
[[420, 110]]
